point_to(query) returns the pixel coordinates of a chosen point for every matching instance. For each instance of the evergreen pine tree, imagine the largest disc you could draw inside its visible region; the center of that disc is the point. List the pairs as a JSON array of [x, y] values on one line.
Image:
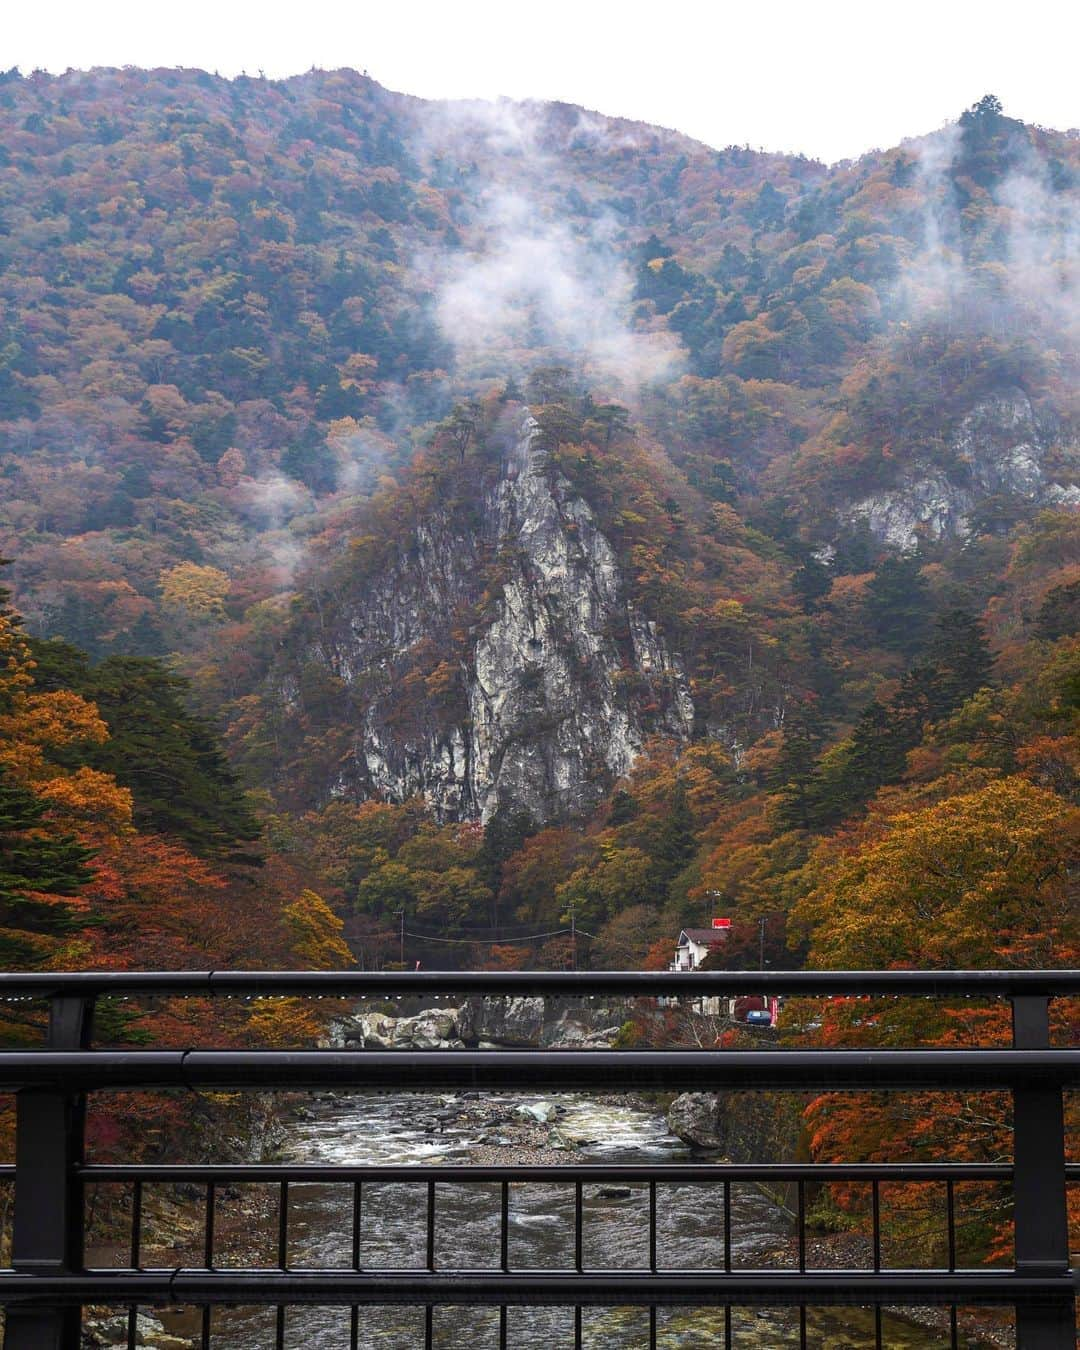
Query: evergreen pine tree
[[793, 774], [33, 865], [898, 605], [958, 663], [170, 758], [677, 842]]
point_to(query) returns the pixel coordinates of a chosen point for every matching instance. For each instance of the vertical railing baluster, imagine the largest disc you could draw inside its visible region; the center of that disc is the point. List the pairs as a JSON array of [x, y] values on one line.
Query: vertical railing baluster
[[504, 1230], [354, 1328], [208, 1236], [875, 1193], [49, 1222], [954, 1329], [283, 1259], [727, 1227], [579, 1228], [1041, 1234], [357, 1222], [133, 1327], [502, 1328], [727, 1327], [577, 1326], [802, 1326], [207, 1327], [429, 1326], [430, 1246], [878, 1341], [652, 1326], [652, 1228], [950, 1211], [136, 1225], [283, 1226]]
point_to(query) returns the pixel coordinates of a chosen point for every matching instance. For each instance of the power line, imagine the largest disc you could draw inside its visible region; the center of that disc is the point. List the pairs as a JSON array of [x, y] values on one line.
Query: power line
[[473, 942]]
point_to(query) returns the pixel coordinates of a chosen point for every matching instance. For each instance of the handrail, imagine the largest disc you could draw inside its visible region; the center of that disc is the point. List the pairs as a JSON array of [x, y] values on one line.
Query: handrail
[[556, 1070], [642, 984], [50, 1282], [664, 1174], [346, 1288]]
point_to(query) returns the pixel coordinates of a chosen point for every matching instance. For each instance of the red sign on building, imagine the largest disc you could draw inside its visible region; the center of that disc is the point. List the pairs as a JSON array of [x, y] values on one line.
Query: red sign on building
[[721, 923]]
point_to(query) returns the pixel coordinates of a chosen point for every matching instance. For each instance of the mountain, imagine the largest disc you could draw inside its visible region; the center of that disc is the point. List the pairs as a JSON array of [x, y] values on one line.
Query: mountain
[[549, 508]]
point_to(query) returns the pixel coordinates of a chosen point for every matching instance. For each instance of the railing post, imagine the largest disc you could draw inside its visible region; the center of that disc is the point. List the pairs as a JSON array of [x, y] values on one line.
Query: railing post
[[48, 1231], [1039, 1199]]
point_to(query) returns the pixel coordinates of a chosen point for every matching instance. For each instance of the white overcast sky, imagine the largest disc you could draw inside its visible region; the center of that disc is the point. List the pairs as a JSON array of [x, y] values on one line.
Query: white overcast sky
[[831, 79]]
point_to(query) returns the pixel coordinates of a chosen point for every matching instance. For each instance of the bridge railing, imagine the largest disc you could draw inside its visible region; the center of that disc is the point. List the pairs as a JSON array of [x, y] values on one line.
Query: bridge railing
[[48, 1283]]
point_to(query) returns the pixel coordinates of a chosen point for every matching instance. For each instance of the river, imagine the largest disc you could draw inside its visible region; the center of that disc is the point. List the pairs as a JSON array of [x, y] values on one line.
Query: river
[[396, 1129]]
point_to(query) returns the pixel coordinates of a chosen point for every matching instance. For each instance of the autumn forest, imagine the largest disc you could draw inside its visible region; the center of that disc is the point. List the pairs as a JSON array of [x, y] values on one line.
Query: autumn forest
[[426, 523]]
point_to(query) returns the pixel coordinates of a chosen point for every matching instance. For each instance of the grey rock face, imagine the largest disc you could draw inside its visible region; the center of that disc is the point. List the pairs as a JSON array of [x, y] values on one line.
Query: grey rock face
[[487, 1023], [581, 1030], [562, 665], [433, 1029], [503, 1021], [999, 449], [697, 1119]]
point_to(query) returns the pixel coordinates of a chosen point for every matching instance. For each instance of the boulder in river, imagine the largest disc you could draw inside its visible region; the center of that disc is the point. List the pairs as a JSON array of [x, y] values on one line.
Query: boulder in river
[[697, 1119], [111, 1333], [541, 1112]]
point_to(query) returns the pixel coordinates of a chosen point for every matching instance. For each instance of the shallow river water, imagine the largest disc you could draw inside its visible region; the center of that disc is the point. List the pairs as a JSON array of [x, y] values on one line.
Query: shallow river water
[[398, 1129]]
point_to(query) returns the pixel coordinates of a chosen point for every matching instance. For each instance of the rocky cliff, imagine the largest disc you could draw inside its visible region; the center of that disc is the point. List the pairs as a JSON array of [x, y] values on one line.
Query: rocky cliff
[[999, 450], [559, 677]]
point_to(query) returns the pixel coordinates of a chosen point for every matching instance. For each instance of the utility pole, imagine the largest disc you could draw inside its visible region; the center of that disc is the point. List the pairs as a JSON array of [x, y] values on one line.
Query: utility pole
[[400, 913], [761, 943], [573, 939]]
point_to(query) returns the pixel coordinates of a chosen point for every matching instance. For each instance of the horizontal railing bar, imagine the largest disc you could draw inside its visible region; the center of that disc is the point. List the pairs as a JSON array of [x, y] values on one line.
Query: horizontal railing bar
[[347, 1287], [592, 1173], [944, 983], [571, 1070], [599, 1172]]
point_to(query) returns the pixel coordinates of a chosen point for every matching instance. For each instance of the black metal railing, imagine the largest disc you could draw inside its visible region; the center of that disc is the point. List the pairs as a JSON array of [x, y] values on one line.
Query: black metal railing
[[48, 1283]]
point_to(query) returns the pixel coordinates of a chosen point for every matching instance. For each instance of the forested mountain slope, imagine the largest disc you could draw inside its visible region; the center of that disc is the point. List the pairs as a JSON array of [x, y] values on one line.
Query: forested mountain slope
[[552, 510]]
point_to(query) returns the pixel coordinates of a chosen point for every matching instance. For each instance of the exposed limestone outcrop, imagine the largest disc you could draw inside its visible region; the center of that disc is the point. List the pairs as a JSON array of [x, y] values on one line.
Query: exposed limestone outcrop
[[998, 450], [433, 1029], [565, 677], [504, 1022]]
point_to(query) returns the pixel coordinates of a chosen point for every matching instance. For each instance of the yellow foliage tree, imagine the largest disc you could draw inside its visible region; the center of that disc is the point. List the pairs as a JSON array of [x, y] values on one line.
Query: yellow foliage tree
[[984, 878], [197, 590], [315, 933], [316, 943]]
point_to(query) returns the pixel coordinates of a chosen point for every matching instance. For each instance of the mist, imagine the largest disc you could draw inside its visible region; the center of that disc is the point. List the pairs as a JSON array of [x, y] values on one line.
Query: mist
[[1030, 271], [526, 285]]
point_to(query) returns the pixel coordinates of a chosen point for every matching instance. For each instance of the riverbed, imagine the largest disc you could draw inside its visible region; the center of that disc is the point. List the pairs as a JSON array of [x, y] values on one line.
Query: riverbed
[[416, 1129]]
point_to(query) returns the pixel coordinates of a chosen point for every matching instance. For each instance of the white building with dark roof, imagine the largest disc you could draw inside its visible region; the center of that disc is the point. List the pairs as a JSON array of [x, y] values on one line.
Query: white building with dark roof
[[693, 946]]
